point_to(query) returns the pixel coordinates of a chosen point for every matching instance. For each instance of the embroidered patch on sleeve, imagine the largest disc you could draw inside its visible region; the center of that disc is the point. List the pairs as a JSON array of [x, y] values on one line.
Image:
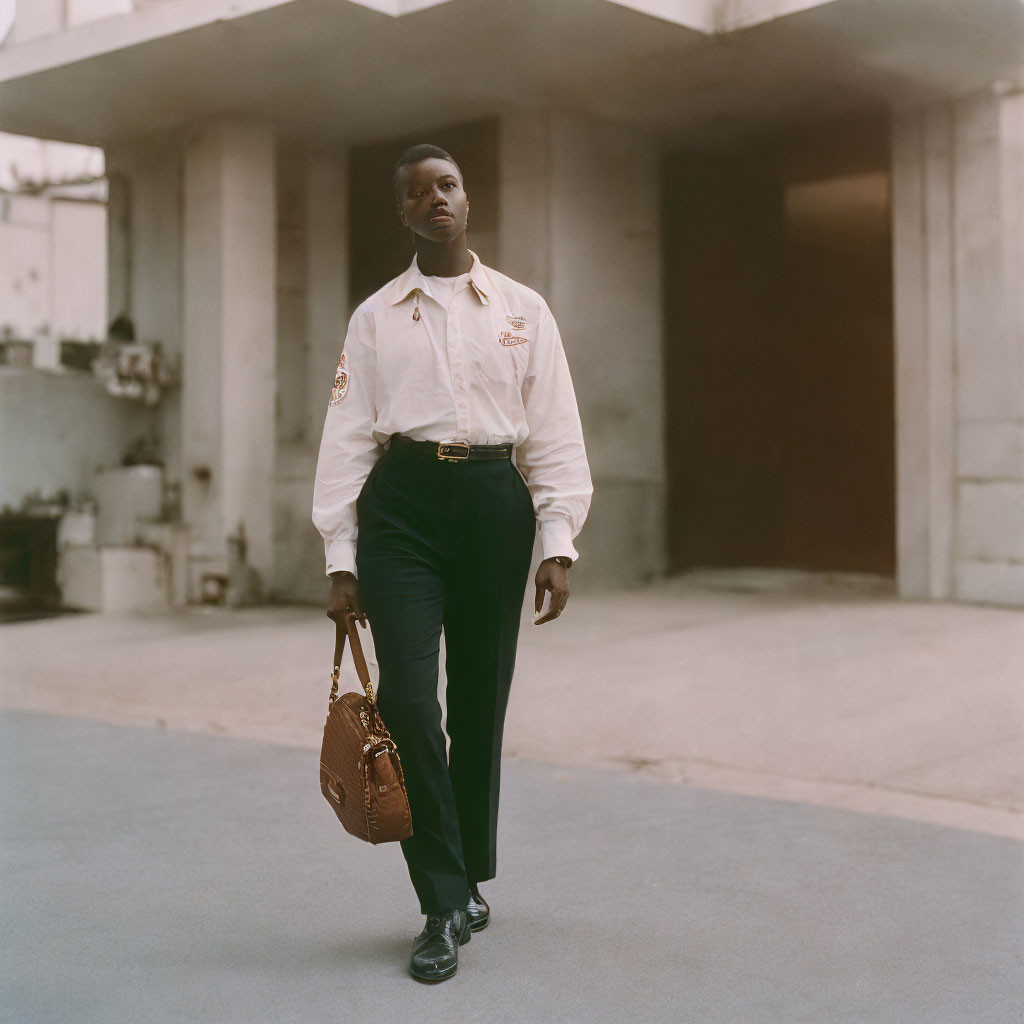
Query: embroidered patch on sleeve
[[340, 388]]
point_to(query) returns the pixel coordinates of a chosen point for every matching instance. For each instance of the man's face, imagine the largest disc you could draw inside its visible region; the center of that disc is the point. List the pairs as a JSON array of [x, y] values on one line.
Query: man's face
[[431, 199]]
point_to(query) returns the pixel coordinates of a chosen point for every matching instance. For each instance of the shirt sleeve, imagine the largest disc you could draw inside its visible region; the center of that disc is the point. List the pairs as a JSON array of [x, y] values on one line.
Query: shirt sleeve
[[348, 450], [553, 459]]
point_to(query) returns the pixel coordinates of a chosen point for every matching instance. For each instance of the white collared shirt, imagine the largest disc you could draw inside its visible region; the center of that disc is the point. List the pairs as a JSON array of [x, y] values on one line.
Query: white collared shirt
[[488, 369]]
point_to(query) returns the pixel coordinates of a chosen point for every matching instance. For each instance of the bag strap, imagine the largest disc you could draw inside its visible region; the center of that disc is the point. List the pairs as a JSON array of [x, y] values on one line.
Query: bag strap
[[348, 628]]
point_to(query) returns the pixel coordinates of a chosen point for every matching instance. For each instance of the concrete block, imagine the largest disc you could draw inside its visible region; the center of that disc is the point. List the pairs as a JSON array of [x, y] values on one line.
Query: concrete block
[[76, 528], [171, 540], [127, 496], [991, 449], [78, 573], [991, 521], [114, 579], [990, 582], [134, 580]]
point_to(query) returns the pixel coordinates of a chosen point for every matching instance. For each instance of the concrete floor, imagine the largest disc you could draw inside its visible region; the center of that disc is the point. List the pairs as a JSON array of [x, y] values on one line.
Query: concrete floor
[[846, 846]]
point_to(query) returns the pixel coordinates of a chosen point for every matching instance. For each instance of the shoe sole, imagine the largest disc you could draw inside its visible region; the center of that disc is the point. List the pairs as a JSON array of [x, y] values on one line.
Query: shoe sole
[[463, 939]]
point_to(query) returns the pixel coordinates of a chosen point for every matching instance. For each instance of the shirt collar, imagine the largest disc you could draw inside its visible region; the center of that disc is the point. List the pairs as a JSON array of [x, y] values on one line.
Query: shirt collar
[[412, 280]]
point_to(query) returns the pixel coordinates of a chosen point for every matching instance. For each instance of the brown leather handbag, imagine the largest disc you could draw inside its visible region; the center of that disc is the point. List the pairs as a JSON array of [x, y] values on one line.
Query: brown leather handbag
[[360, 772]]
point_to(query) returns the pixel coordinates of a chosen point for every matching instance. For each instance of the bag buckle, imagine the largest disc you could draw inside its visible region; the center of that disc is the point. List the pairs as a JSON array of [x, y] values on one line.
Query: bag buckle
[[449, 451]]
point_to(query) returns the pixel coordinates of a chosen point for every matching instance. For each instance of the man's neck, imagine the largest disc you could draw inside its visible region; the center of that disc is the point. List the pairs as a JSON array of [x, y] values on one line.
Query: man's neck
[[444, 259]]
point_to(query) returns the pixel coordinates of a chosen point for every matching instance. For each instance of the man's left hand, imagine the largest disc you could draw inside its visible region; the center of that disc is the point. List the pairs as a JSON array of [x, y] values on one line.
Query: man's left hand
[[554, 579]]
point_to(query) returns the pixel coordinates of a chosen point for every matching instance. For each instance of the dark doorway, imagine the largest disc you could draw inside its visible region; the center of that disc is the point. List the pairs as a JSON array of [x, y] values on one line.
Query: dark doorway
[[779, 357]]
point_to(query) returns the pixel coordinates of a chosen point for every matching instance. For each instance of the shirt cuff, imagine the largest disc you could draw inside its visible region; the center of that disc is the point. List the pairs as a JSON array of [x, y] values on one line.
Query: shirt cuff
[[556, 539], [341, 555]]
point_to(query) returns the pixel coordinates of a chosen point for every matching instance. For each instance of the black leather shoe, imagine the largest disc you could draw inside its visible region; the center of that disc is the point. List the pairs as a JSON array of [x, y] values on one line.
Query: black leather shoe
[[435, 951], [479, 912]]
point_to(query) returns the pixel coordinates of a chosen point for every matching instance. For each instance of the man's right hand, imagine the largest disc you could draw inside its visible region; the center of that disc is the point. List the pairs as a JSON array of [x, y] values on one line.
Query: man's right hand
[[345, 596]]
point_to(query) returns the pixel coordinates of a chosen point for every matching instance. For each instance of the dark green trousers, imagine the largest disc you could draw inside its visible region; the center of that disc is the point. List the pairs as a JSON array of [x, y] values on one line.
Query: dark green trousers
[[445, 545]]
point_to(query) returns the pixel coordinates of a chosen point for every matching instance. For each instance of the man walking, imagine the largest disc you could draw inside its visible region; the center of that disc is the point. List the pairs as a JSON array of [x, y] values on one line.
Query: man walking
[[448, 373]]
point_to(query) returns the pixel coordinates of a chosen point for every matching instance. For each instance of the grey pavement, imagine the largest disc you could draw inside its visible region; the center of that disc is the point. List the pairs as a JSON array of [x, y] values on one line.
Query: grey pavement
[[152, 875], [739, 797]]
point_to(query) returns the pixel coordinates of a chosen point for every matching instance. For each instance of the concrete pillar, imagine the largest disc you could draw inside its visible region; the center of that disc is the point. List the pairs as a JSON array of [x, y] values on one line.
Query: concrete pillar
[[313, 291], [922, 203], [327, 307], [144, 261], [119, 241], [958, 182], [579, 206], [229, 319]]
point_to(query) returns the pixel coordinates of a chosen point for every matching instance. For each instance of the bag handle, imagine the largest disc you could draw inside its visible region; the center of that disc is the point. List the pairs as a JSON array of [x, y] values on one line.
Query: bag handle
[[343, 628]]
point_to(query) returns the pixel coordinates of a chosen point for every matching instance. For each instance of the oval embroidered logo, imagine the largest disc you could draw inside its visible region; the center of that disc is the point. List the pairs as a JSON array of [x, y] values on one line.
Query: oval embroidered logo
[[507, 338], [517, 322]]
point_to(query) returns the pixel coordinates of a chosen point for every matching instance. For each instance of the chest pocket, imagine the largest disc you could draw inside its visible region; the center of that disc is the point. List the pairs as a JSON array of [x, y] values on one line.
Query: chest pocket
[[503, 350]]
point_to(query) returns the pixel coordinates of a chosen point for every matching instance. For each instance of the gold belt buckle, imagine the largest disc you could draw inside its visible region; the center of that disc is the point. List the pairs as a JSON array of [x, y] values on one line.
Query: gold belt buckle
[[447, 452]]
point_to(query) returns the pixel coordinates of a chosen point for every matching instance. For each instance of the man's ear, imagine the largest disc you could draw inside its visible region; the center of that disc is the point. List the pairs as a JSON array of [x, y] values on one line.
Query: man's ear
[[401, 215]]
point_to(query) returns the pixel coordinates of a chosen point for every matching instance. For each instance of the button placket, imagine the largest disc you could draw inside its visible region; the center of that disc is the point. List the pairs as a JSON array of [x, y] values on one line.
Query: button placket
[[455, 362]]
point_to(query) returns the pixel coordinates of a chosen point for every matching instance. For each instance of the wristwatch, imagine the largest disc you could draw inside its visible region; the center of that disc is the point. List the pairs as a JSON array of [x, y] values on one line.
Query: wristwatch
[[563, 560]]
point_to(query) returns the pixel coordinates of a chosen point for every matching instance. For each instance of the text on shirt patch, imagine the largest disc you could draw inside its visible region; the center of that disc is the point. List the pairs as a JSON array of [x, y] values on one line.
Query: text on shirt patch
[[518, 323], [340, 388], [507, 338]]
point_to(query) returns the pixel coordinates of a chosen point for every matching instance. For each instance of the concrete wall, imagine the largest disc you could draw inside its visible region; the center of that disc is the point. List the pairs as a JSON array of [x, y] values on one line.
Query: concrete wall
[[57, 429], [580, 223], [958, 172]]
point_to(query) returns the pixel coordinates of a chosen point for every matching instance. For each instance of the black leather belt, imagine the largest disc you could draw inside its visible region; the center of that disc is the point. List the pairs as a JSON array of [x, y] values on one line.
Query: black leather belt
[[451, 451]]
